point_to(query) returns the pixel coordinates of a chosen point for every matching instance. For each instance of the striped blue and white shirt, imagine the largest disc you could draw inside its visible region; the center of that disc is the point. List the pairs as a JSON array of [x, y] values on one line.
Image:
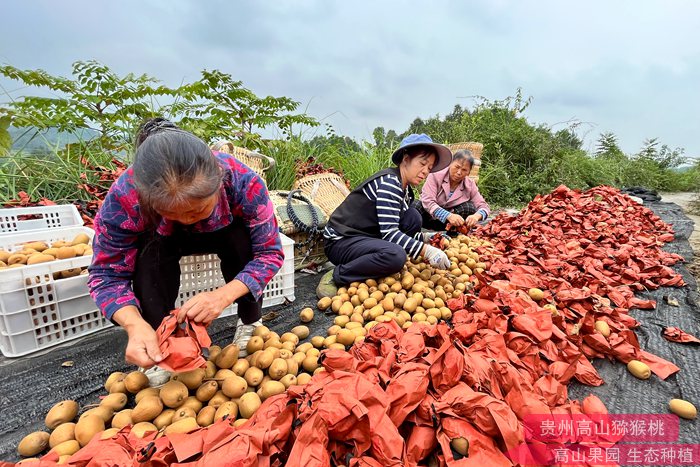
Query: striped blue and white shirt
[[391, 199]]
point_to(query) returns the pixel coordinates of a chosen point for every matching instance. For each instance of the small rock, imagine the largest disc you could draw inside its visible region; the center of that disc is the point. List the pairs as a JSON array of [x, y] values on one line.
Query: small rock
[[672, 301]]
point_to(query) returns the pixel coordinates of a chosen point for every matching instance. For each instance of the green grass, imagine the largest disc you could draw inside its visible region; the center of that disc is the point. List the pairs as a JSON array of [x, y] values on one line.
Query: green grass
[[356, 165], [56, 175], [504, 182]]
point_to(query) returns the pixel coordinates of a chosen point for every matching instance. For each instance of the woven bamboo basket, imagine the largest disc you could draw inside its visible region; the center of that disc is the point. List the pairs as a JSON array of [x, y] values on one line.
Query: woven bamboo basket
[[258, 162], [301, 259], [315, 257], [476, 150], [326, 190]]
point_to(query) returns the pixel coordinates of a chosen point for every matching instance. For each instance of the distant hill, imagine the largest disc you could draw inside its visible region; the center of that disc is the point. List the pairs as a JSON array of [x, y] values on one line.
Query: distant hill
[[689, 165], [32, 140]]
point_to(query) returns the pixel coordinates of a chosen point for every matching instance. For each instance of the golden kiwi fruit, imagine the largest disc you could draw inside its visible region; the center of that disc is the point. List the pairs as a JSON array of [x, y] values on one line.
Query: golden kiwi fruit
[[227, 409], [262, 331], [141, 429], [639, 369], [241, 366], [118, 385], [218, 399], [112, 378], [205, 417], [602, 327], [116, 401], [33, 444], [135, 381], [102, 411], [108, 433], [683, 409], [214, 352], [146, 392], [253, 376], [288, 380], [62, 412], [207, 390], [186, 425], [183, 412], [460, 445], [81, 238], [173, 394], [302, 332], [122, 418], [228, 356], [310, 363], [248, 404], [39, 258], [278, 368], [234, 387], [306, 315], [254, 344], [192, 379], [63, 432], [87, 427], [147, 409], [271, 388], [324, 303], [16, 258], [536, 294], [193, 403], [317, 341], [164, 419], [303, 378], [66, 448]]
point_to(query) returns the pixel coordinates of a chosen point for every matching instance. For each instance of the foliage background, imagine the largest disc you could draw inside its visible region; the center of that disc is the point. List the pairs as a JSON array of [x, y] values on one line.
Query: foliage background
[[100, 112]]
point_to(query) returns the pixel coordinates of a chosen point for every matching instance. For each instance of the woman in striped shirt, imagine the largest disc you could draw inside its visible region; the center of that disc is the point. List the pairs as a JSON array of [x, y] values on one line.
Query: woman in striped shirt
[[375, 228]]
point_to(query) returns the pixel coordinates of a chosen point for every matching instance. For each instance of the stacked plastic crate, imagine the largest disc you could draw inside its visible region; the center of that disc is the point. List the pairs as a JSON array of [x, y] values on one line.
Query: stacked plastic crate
[[39, 307]]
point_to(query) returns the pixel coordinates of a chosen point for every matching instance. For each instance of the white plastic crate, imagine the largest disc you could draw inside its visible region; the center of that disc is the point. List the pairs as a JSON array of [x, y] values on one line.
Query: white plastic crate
[[38, 311], [39, 218], [200, 273]]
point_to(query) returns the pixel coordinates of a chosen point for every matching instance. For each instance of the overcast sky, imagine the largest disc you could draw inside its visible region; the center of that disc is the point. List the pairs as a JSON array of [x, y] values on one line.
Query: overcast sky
[[630, 67]]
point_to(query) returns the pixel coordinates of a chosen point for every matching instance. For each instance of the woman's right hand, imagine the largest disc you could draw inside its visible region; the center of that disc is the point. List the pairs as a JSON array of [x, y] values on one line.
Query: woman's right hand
[[455, 220], [142, 349]]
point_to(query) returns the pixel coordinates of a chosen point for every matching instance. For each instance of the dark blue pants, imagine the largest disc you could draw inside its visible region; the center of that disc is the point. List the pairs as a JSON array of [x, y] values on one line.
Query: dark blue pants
[[361, 258]]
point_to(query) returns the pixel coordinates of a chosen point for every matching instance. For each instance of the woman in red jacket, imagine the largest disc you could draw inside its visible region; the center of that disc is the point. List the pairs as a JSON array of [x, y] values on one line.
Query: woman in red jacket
[[449, 196]]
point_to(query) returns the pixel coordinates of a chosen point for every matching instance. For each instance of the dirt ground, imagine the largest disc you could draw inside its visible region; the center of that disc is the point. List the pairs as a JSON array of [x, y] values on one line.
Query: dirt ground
[[684, 199]]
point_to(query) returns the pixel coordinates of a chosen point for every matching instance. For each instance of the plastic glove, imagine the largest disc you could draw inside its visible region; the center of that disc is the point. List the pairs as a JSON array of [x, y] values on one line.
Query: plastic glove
[[436, 257], [427, 236]]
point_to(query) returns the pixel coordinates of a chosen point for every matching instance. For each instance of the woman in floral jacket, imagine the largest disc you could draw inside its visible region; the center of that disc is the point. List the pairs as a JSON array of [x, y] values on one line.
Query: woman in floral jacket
[[177, 199]]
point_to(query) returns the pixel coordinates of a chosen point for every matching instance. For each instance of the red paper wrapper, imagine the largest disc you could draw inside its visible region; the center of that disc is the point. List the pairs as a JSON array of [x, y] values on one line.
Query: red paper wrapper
[[181, 346]]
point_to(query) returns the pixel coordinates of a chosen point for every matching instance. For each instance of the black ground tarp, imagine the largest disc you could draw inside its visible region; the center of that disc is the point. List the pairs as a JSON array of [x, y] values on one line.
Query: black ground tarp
[[29, 386]]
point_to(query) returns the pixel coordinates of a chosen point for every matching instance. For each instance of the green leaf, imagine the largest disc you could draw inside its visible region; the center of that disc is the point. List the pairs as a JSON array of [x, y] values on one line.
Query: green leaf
[[5, 140]]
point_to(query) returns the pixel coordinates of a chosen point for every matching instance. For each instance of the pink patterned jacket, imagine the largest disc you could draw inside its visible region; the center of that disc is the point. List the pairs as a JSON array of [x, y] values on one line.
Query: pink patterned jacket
[[436, 193], [119, 224]]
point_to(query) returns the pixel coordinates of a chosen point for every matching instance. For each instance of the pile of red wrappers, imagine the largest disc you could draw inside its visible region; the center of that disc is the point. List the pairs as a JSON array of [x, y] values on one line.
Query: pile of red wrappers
[[401, 397]]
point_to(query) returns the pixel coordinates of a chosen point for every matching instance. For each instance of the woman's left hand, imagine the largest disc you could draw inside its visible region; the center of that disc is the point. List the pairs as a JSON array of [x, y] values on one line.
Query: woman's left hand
[[471, 221], [204, 307]]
